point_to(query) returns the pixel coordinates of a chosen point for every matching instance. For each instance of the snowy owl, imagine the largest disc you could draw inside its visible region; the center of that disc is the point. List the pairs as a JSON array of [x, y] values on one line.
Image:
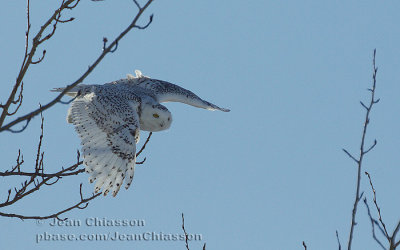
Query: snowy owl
[[108, 119]]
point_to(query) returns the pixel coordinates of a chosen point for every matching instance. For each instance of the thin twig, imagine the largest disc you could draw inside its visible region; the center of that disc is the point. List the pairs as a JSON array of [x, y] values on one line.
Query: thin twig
[[40, 59], [377, 207], [184, 230], [144, 145], [20, 130], [147, 25], [350, 155], [371, 147], [338, 240], [18, 101], [137, 4], [373, 224]]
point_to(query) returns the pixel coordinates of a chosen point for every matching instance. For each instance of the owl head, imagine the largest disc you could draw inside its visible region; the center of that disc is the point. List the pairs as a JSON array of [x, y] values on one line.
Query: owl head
[[155, 117]]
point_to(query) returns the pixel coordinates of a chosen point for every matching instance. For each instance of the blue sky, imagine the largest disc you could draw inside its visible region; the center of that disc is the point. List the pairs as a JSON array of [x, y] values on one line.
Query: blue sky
[[269, 174]]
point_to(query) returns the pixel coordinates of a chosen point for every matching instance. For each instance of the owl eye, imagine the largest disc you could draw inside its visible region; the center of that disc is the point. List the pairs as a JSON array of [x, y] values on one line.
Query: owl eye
[[156, 115]]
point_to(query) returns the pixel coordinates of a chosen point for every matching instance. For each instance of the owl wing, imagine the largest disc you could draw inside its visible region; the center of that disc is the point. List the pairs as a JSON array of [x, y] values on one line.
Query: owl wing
[[169, 92], [108, 126]]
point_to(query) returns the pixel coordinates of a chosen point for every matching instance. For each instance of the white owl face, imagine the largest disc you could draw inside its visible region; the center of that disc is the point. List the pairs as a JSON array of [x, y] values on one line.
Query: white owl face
[[155, 117]]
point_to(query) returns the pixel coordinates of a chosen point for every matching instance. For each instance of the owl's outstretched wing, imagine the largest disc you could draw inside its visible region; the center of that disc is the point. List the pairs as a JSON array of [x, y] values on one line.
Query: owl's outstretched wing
[[108, 126], [169, 92]]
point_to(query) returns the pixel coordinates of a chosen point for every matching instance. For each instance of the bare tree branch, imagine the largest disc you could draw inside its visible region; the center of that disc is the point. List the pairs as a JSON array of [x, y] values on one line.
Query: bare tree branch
[[33, 184], [338, 241], [362, 152], [187, 236], [377, 207], [18, 101], [28, 57], [137, 4], [381, 225], [84, 201], [373, 224], [184, 230], [66, 172], [107, 50], [144, 145]]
